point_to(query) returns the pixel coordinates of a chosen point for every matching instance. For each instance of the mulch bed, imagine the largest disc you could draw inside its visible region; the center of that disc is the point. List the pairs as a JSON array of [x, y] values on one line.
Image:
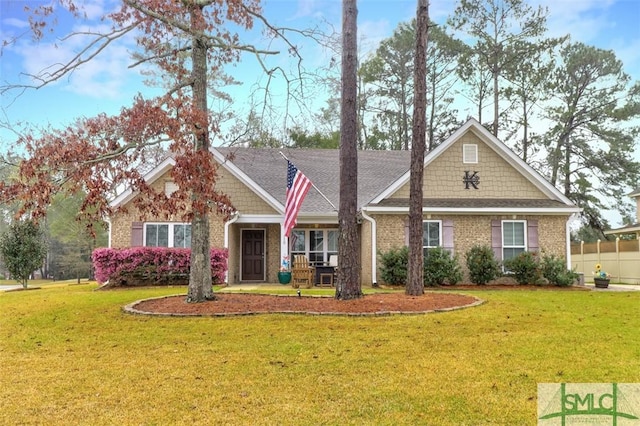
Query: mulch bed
[[247, 304]]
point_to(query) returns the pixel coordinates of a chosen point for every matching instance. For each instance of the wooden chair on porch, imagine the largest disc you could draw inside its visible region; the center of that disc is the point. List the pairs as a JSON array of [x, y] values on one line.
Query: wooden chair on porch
[[303, 272]]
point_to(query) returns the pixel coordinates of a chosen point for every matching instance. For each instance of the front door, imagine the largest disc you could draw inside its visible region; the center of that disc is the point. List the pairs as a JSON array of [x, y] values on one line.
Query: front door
[[252, 255]]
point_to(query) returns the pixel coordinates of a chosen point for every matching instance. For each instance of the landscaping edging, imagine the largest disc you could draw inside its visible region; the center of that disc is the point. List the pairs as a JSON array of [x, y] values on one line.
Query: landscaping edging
[[132, 308]]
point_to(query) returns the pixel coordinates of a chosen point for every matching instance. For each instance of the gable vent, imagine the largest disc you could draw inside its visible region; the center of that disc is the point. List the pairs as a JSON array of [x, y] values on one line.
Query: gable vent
[[169, 188], [470, 153]]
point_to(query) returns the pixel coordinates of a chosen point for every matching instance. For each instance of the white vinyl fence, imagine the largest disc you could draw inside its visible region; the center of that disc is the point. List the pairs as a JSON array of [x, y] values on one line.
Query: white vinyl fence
[[620, 258]]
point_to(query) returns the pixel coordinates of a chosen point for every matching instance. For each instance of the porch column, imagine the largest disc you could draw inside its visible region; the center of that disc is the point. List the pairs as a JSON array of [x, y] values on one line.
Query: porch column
[[284, 246], [227, 226]]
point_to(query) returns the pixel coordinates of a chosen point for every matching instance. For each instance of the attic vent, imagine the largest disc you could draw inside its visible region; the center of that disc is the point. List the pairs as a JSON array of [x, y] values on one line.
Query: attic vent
[[470, 153], [169, 188]]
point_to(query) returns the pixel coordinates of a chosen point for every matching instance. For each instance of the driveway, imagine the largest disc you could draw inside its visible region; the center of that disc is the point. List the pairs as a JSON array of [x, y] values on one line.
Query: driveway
[[9, 287]]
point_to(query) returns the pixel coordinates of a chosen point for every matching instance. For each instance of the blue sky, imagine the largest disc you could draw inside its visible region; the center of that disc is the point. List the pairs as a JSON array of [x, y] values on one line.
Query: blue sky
[[105, 84]]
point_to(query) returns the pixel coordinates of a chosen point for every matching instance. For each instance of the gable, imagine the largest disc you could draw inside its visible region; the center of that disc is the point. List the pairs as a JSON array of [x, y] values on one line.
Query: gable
[[498, 179], [243, 198]]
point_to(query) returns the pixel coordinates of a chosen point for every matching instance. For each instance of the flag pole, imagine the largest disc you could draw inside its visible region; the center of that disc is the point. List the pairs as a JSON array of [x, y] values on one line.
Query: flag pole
[[314, 186]]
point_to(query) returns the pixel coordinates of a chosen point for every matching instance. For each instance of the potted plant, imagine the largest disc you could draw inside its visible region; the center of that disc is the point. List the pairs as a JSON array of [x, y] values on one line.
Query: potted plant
[[284, 275], [600, 277]]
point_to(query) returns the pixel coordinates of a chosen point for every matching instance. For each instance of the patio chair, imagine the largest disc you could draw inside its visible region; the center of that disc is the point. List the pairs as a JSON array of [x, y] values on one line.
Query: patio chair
[[303, 272]]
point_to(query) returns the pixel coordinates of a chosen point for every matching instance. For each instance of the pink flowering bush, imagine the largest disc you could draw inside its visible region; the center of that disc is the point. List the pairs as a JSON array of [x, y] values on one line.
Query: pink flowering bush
[[158, 265]]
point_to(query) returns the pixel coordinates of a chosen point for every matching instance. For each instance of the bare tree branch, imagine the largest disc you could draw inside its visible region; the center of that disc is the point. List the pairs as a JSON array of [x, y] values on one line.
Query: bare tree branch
[[94, 48]]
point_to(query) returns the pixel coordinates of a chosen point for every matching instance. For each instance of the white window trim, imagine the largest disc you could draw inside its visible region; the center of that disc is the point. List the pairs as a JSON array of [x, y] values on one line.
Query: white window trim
[[524, 225], [439, 222], [469, 153], [170, 233]]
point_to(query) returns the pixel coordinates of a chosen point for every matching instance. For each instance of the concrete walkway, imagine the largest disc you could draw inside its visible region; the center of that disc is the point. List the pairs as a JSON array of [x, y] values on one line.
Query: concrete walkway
[[615, 287]]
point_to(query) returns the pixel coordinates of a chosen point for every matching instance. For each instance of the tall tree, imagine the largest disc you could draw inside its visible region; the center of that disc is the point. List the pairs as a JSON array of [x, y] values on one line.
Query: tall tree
[[594, 131], [185, 42], [389, 85], [23, 249], [302, 139], [498, 26], [390, 71], [478, 81], [527, 79], [415, 282], [443, 54], [349, 285]]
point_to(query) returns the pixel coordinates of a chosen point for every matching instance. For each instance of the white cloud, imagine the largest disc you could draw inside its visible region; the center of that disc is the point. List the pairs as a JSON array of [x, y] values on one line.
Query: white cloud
[[93, 9], [15, 22], [628, 51], [584, 20], [306, 8], [371, 33]]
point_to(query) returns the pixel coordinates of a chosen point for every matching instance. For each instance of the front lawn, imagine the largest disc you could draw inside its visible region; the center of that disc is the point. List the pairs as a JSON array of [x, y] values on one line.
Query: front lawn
[[69, 355]]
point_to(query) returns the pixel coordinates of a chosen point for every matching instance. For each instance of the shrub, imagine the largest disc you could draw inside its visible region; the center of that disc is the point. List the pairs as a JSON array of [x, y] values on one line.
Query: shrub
[[554, 269], [440, 266], [159, 265], [525, 268], [394, 266], [482, 264]]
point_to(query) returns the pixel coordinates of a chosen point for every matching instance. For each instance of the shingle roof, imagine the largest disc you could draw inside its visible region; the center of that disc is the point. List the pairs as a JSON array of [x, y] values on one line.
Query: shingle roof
[[376, 171]]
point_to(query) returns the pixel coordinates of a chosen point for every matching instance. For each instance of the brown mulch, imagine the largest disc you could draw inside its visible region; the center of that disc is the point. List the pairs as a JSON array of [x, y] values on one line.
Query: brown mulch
[[246, 304]]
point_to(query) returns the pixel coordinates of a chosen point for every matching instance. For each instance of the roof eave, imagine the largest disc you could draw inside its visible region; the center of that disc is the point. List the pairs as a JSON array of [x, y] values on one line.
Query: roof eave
[[634, 229], [475, 210]]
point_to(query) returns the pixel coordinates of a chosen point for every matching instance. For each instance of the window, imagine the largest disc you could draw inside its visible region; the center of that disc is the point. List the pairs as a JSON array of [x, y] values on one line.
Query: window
[[182, 236], [513, 238], [167, 235], [316, 244], [431, 235], [469, 153]]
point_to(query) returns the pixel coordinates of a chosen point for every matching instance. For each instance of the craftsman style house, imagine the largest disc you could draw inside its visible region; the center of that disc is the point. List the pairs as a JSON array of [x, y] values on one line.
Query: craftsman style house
[[476, 191]]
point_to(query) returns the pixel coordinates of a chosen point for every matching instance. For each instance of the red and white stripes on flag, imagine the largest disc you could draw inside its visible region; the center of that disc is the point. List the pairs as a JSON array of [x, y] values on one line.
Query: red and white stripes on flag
[[297, 187]]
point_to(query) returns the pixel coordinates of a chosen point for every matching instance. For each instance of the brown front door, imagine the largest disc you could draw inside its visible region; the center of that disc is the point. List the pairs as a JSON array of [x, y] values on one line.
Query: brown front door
[[252, 255]]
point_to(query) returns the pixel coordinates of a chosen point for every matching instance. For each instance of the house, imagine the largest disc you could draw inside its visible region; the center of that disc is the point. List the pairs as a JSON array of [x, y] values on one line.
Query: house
[[476, 191], [631, 229]]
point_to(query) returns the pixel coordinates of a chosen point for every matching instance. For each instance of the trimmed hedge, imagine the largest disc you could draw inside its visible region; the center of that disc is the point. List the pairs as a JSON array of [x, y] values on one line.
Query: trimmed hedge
[[151, 265]]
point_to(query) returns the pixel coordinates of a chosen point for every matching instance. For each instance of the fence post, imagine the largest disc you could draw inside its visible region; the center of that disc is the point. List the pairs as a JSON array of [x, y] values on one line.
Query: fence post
[[618, 259], [582, 255]]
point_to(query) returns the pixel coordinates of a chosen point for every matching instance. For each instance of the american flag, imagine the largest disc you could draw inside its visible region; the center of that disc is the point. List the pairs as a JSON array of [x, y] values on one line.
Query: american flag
[[297, 187]]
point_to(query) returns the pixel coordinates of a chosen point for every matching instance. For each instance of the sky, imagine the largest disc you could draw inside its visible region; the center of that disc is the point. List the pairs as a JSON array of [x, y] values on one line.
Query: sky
[[106, 84]]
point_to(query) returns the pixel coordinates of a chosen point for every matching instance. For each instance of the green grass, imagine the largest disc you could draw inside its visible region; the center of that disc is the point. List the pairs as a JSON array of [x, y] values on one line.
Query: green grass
[[69, 355]]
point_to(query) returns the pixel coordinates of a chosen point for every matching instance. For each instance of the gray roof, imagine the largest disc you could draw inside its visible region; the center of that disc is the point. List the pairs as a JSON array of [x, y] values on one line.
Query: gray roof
[[377, 170]]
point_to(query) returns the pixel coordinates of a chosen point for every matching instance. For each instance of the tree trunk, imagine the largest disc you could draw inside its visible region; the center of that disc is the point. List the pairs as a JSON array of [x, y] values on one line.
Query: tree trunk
[[200, 286], [349, 285], [415, 273], [525, 136], [566, 169], [496, 99], [405, 119]]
